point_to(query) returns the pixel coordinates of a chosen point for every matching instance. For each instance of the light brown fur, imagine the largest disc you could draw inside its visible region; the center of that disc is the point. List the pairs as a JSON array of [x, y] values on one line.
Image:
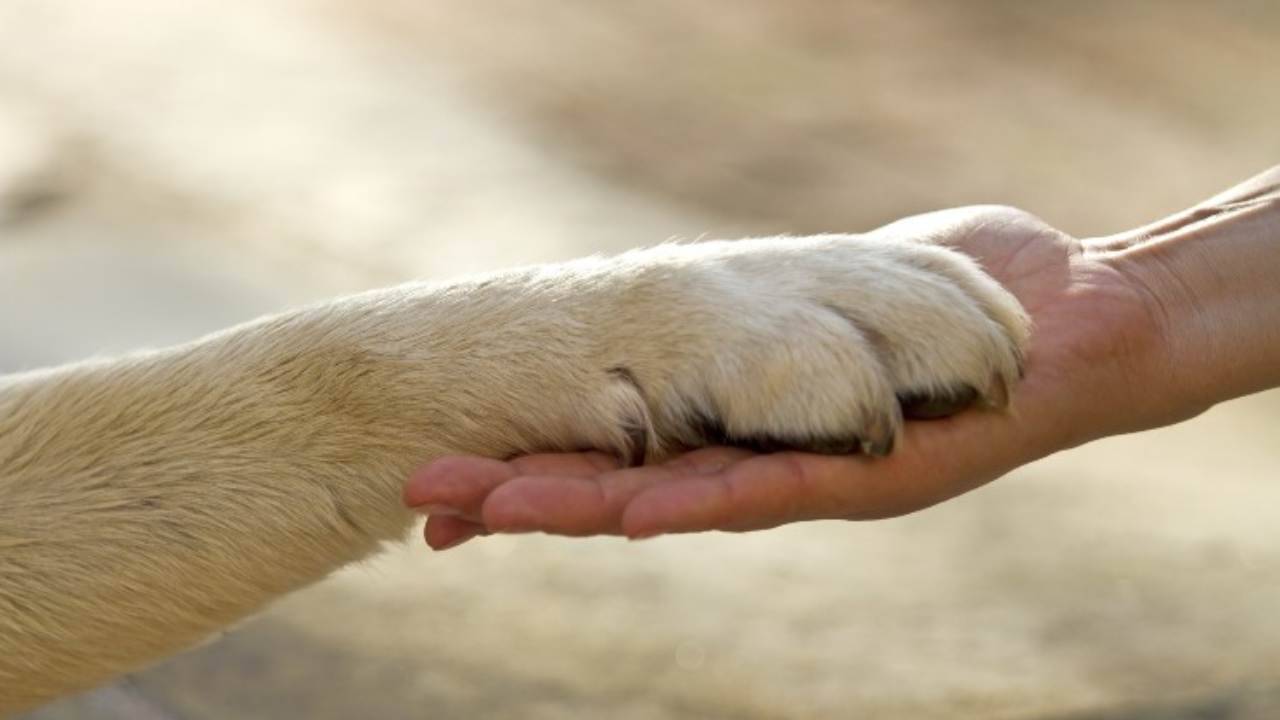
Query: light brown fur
[[149, 500]]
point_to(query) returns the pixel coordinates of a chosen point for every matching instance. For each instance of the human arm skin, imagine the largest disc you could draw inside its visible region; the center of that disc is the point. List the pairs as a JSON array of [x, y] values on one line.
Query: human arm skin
[[1212, 272], [1132, 332]]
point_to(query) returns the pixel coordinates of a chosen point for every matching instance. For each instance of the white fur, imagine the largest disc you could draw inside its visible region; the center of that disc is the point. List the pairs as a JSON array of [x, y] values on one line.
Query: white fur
[[147, 501]]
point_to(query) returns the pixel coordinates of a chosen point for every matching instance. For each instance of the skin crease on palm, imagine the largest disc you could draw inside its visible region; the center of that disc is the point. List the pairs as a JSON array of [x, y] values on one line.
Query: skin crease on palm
[[1106, 320]]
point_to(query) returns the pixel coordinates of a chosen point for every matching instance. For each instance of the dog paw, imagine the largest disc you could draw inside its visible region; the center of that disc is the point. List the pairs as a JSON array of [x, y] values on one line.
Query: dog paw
[[821, 344]]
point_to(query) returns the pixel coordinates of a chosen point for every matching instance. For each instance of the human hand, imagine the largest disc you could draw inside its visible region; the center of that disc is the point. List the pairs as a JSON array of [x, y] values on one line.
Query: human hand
[[1100, 336]]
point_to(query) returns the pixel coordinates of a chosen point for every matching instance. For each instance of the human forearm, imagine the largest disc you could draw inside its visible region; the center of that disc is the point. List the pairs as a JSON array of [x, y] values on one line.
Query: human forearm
[[1213, 277]]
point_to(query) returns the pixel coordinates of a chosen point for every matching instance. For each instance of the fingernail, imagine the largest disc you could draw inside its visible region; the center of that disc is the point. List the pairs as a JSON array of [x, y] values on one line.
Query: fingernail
[[440, 510]]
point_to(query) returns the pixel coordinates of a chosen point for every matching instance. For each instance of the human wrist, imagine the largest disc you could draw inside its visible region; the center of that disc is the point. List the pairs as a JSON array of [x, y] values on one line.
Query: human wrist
[[1212, 286]]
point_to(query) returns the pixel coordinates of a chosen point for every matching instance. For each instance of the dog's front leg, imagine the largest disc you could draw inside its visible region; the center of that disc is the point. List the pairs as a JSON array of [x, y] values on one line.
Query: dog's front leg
[[147, 501]]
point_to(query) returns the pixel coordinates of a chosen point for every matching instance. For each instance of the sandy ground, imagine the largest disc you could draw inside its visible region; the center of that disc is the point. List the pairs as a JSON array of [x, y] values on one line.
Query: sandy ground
[[167, 169]]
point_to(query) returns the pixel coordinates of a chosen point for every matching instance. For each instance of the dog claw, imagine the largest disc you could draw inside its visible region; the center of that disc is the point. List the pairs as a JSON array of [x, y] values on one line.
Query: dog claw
[[880, 436], [997, 393], [879, 448]]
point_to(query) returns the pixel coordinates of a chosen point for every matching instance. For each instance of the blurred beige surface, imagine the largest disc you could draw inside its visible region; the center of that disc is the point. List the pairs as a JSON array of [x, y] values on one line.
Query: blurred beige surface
[[170, 168]]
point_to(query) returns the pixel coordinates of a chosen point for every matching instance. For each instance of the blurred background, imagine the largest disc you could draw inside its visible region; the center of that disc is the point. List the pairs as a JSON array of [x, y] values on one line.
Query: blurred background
[[170, 168]]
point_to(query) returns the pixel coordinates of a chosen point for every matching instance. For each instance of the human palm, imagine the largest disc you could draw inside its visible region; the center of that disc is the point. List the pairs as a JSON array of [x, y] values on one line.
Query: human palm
[[1094, 335]]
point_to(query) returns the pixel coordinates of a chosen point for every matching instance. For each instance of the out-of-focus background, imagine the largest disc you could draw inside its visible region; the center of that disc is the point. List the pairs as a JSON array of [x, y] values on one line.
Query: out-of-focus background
[[167, 168]]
